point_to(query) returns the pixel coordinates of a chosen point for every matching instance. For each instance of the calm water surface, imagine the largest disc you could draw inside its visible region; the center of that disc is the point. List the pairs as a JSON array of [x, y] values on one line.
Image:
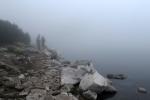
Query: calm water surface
[[133, 64]]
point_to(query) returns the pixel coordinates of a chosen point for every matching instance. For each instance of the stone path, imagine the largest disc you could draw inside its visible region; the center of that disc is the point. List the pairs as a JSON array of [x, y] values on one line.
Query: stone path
[[41, 81], [45, 78]]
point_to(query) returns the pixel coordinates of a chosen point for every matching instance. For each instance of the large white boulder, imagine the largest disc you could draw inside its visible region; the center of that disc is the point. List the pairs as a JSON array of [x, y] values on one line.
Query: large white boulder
[[70, 75], [87, 77], [94, 82]]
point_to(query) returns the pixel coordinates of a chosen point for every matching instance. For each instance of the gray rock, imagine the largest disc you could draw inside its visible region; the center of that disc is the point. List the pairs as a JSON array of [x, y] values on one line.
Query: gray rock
[[38, 94], [116, 76], [110, 89], [96, 83], [67, 88], [89, 95], [141, 90], [21, 76], [71, 75], [65, 97]]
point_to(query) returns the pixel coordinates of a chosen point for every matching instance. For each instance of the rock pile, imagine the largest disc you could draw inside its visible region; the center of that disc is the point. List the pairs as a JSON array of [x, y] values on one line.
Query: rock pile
[[37, 80], [83, 80], [41, 75]]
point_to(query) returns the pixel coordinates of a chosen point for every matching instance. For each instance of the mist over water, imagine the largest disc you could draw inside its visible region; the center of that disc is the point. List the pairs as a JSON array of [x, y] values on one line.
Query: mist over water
[[114, 34]]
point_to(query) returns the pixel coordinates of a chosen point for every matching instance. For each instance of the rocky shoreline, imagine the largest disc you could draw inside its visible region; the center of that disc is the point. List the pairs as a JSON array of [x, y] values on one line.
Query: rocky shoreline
[[29, 74]]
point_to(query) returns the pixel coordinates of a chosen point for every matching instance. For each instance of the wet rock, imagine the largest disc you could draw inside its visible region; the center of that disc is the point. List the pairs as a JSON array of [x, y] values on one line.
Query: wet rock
[[94, 82], [110, 89], [117, 76], [37, 94], [65, 97], [89, 95], [142, 90], [105, 96]]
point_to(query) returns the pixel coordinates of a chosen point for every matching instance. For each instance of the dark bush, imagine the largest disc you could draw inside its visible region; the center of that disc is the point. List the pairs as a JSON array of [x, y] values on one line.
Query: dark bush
[[11, 33]]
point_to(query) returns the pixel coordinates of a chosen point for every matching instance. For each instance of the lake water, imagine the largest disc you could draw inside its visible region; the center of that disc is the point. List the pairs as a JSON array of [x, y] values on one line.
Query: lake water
[[134, 64]]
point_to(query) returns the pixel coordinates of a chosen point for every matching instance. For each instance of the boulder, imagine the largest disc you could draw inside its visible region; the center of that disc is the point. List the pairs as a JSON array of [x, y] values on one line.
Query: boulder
[[96, 83], [142, 90], [38, 94], [72, 75], [21, 76], [116, 76], [85, 65], [110, 89], [67, 88], [89, 95], [65, 97]]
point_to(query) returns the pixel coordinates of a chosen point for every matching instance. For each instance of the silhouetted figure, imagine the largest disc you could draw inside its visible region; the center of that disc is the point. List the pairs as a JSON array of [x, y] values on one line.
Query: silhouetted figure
[[38, 42], [43, 42]]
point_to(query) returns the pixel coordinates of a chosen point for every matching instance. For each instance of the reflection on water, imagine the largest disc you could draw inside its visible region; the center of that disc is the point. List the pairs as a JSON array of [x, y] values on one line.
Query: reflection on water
[[127, 89], [132, 62], [105, 96]]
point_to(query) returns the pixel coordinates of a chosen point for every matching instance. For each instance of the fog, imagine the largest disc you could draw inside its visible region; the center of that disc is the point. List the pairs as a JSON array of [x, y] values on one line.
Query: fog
[[112, 33]]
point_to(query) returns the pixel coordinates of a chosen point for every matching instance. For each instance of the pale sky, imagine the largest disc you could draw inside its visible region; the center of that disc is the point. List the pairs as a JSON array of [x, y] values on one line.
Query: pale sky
[[106, 28]]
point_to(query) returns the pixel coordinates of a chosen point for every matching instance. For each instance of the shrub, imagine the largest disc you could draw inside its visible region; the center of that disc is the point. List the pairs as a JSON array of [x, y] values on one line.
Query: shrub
[[11, 33]]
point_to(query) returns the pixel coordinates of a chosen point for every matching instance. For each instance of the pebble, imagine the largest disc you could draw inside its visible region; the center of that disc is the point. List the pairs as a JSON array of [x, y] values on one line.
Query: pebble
[[142, 90], [21, 76]]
